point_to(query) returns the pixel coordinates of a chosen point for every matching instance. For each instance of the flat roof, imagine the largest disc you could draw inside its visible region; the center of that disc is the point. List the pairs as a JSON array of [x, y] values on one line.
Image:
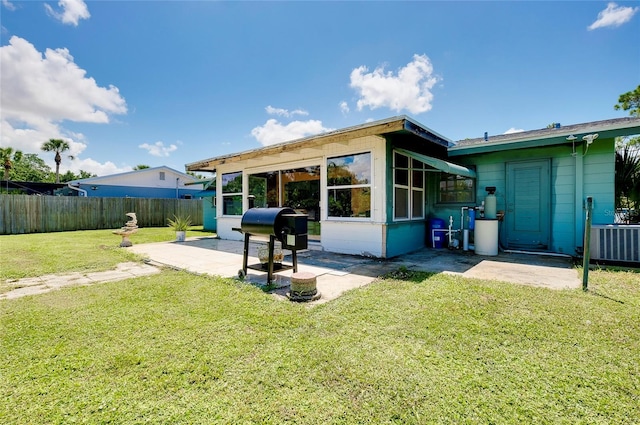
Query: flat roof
[[398, 124]]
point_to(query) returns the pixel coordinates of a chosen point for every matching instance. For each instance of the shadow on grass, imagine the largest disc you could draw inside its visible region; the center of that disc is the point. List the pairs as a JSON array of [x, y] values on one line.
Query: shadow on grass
[[403, 273], [606, 297], [614, 268]]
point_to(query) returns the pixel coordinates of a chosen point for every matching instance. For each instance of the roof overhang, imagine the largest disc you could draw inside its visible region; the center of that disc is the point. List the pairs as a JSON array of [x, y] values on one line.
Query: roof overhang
[[397, 125], [206, 183], [547, 137], [440, 164]]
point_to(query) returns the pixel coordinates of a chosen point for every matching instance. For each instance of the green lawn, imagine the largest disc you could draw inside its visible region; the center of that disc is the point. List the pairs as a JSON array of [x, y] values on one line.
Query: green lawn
[[90, 250], [185, 349]]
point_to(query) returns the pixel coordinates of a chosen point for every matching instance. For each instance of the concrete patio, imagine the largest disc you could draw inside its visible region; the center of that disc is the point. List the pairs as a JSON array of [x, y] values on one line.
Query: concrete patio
[[337, 273]]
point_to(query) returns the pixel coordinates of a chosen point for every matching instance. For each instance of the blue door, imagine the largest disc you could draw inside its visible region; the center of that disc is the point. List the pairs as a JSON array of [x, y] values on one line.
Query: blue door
[[528, 215]]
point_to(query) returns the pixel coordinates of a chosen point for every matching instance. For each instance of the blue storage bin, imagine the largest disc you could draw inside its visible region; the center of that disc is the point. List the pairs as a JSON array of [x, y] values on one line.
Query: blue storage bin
[[437, 239]]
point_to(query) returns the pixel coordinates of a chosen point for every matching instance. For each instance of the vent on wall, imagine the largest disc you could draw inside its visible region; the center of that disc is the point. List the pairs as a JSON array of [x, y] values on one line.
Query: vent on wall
[[615, 242]]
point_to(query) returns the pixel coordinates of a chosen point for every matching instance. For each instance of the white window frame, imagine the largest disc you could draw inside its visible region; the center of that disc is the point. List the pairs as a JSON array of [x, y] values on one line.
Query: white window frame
[[454, 178], [329, 188], [409, 187], [230, 194]]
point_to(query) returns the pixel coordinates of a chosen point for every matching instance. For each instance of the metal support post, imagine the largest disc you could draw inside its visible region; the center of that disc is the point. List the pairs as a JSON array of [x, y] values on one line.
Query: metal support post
[[586, 254]]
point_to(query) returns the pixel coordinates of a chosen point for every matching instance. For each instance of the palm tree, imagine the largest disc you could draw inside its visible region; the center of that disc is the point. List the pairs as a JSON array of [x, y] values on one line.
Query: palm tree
[[627, 180], [58, 146], [7, 157]]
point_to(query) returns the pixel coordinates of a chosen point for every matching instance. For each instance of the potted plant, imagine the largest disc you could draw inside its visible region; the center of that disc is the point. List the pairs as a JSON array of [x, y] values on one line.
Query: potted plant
[[180, 225], [263, 256]]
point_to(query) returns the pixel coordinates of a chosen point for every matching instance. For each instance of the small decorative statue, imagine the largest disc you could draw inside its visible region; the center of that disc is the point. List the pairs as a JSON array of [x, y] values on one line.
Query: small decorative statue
[[129, 228]]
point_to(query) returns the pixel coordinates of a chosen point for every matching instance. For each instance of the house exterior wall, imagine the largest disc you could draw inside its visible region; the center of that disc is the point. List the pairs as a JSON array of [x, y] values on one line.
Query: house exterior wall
[[572, 179], [599, 180], [360, 238], [404, 237], [543, 160], [114, 191], [209, 214], [339, 234]]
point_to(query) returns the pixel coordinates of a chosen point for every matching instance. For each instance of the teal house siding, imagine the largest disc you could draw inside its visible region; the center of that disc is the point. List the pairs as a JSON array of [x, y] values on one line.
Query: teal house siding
[[577, 170], [563, 202], [599, 180], [492, 171], [209, 222], [409, 235], [405, 237]]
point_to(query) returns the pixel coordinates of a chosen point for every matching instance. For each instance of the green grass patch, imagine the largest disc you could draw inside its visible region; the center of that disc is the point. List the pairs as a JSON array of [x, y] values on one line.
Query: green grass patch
[[37, 254], [411, 348]]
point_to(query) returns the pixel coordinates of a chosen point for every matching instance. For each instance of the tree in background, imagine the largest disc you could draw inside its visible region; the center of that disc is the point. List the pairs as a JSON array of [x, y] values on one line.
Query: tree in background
[[70, 176], [32, 168], [629, 101], [196, 175], [85, 175], [628, 182], [58, 146], [7, 157], [140, 167], [627, 192]]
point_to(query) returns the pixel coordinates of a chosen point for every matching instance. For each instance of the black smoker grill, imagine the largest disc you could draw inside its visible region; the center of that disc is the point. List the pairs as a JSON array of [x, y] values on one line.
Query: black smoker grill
[[283, 224]]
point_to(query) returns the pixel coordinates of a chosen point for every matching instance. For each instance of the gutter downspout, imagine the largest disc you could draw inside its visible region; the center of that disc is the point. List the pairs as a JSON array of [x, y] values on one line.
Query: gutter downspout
[[84, 192]]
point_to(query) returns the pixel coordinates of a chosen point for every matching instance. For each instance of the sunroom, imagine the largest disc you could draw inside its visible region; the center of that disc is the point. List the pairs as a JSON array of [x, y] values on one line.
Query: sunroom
[[366, 190]]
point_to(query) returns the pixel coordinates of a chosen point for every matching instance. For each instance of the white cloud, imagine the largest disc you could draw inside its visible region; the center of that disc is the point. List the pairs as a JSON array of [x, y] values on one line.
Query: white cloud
[[513, 130], [274, 132], [7, 4], [409, 90], [613, 16], [158, 148], [284, 112], [72, 11], [40, 91], [52, 88], [344, 107], [95, 167]]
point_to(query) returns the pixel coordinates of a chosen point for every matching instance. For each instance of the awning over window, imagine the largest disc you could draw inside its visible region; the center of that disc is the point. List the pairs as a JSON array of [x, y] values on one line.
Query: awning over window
[[440, 164]]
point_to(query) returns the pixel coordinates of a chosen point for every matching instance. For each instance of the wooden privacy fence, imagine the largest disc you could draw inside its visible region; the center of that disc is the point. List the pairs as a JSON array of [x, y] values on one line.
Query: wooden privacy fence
[[41, 214]]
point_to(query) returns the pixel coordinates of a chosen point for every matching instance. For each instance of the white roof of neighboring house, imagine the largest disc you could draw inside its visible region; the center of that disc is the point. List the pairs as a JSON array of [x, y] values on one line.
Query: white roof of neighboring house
[[131, 178]]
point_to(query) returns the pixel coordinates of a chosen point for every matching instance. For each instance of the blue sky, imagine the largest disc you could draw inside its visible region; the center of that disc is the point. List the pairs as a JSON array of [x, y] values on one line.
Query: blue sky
[[174, 82]]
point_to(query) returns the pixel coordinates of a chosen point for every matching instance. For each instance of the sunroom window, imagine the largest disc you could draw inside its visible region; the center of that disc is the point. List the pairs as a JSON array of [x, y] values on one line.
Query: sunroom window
[[349, 185], [232, 193], [408, 188]]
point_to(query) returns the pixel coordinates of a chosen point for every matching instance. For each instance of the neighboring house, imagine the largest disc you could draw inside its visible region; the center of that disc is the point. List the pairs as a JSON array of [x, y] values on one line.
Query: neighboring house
[[374, 189], [157, 182]]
